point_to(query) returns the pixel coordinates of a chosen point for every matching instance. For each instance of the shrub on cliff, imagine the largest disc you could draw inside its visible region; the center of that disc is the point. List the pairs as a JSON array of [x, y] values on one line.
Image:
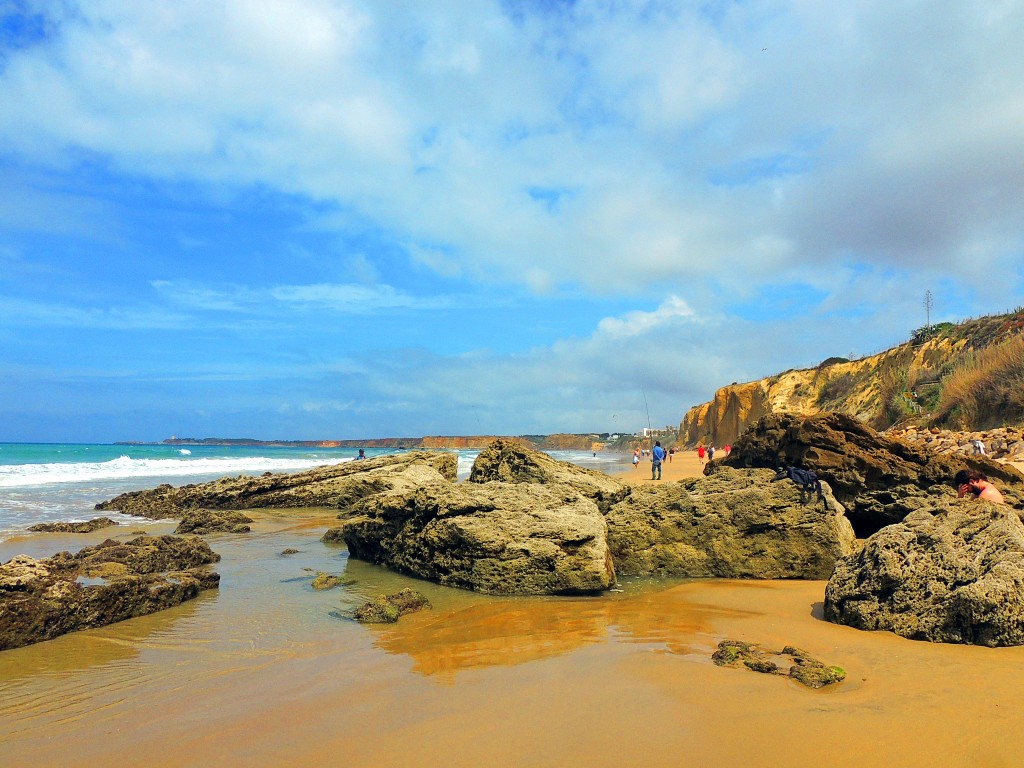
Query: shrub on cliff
[[987, 389], [837, 389]]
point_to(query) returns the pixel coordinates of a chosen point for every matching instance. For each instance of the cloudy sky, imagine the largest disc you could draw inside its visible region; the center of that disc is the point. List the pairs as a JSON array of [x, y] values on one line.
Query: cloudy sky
[[353, 218]]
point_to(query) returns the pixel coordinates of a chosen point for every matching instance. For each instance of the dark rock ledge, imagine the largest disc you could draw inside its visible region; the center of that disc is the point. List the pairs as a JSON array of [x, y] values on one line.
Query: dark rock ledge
[[85, 527], [100, 585]]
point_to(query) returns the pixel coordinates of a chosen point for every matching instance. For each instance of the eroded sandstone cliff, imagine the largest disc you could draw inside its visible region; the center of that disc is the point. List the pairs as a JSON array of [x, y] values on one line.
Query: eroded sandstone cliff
[[904, 379]]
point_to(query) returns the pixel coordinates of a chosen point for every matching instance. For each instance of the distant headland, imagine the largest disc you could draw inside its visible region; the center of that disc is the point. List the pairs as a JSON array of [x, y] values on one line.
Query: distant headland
[[594, 441]]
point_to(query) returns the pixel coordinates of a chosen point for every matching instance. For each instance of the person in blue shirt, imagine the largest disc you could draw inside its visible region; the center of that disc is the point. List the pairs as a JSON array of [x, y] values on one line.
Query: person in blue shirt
[[657, 456]]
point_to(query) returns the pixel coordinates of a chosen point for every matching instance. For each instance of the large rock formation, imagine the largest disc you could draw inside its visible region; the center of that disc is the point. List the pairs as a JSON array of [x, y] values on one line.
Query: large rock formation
[[509, 461], [732, 524], [537, 530], [337, 485], [497, 538], [878, 479], [952, 573], [102, 584]]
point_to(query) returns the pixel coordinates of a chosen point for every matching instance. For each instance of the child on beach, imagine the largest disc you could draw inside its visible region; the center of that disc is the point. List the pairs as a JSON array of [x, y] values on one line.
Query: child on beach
[[700, 453]]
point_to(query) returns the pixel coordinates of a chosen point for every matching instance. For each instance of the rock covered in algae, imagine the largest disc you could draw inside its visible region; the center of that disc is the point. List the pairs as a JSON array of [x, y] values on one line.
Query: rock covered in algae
[[386, 609], [203, 521], [802, 667], [325, 581], [84, 527]]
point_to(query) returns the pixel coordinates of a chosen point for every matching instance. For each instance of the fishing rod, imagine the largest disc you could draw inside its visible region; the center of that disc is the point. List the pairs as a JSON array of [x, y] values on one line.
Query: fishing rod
[[650, 430]]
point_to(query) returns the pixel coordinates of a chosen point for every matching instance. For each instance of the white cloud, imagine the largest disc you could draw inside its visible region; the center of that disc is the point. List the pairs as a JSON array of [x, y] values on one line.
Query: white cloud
[[638, 322]]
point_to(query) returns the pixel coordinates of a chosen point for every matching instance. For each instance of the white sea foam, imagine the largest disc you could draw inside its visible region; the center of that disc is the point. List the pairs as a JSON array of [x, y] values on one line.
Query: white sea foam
[[23, 475]]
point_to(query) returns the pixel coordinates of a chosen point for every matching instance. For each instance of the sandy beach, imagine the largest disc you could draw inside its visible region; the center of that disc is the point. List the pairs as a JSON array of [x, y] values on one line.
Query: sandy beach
[[268, 672], [683, 464]]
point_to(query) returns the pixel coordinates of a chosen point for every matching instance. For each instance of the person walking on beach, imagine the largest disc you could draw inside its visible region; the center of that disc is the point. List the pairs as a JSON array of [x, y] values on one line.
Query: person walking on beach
[[657, 456], [728, 448], [671, 453], [973, 481], [711, 453], [700, 452], [636, 457]]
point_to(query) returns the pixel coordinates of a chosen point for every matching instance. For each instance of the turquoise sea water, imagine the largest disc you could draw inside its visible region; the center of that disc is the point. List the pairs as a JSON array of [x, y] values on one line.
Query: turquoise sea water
[[50, 482]]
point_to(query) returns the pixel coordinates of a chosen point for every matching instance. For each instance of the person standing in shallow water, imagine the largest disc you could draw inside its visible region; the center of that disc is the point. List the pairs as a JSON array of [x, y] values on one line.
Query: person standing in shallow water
[[657, 456], [976, 482]]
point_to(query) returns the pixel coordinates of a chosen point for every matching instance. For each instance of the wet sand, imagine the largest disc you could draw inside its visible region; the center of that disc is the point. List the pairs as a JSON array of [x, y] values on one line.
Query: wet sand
[[268, 672]]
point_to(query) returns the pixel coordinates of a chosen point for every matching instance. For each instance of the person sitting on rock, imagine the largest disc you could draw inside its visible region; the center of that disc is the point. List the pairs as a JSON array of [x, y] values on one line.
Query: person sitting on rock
[[974, 481]]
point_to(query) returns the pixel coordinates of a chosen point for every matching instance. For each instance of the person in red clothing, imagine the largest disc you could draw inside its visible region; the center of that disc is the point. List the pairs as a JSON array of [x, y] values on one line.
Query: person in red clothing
[[728, 448], [700, 453]]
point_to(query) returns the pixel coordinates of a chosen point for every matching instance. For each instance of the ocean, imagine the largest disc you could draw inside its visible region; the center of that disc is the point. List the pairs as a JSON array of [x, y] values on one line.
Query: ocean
[[54, 482]]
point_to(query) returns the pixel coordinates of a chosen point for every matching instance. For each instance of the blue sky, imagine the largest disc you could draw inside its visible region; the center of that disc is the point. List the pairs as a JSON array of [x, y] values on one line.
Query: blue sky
[[345, 219]]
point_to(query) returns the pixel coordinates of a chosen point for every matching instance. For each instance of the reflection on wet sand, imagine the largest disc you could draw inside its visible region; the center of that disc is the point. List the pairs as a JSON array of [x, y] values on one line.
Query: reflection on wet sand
[[506, 632]]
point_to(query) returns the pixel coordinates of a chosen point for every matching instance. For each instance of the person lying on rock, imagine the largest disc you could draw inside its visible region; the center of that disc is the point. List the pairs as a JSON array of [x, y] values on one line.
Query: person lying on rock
[[975, 481]]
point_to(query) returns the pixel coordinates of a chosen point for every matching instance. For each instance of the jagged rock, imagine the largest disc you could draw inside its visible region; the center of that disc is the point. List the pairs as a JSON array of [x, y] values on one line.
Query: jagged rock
[[953, 573], [337, 485], [289, 551], [87, 527], [803, 668], [878, 479], [386, 609], [102, 584], [203, 521], [497, 538], [733, 524], [509, 461]]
